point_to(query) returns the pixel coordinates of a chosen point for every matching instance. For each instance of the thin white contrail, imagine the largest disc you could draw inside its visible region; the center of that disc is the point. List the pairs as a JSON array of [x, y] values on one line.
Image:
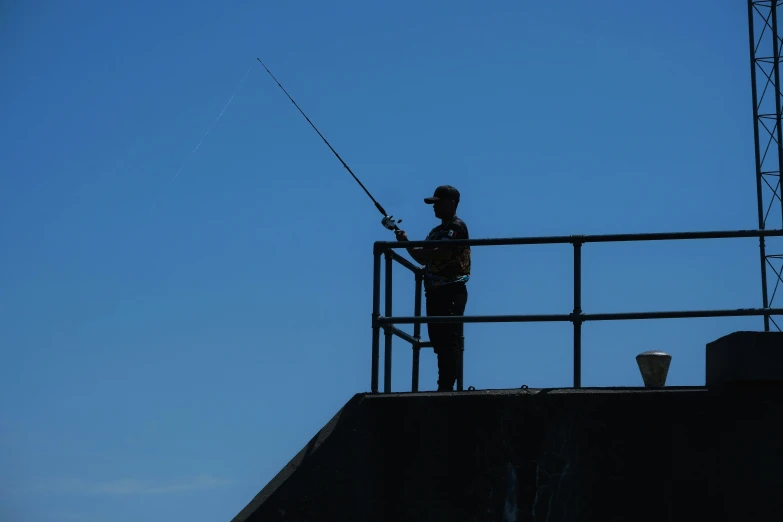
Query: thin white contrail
[[213, 124]]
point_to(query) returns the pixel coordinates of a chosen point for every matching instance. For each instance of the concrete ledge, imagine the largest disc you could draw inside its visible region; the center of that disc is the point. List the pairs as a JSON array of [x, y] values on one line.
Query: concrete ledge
[[745, 357], [640, 454]]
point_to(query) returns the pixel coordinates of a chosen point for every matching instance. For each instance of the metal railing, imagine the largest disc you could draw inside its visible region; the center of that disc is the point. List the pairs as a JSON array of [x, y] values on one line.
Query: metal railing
[[576, 317]]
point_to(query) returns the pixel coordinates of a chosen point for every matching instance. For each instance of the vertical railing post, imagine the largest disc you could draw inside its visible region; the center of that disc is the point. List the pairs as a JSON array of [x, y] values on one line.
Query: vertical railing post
[[376, 312], [387, 350], [577, 314], [416, 334], [460, 357]]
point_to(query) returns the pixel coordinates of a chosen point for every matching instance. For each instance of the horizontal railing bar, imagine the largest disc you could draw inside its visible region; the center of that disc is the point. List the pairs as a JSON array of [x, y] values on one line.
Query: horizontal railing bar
[[744, 312], [475, 319], [606, 238], [408, 337], [582, 317], [404, 262], [403, 335]]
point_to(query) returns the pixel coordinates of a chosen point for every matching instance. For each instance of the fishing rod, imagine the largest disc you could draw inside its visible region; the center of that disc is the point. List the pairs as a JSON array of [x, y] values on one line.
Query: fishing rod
[[387, 221]]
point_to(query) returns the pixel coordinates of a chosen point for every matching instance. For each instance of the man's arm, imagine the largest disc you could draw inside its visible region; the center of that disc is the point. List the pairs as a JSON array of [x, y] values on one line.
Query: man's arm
[[424, 255], [418, 254], [421, 255]]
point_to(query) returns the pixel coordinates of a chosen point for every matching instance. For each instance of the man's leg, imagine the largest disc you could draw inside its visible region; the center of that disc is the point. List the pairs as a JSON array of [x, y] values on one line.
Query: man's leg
[[446, 338], [459, 298]]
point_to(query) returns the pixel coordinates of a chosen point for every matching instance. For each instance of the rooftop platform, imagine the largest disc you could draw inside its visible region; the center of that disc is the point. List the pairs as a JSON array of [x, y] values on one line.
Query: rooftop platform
[[589, 454]]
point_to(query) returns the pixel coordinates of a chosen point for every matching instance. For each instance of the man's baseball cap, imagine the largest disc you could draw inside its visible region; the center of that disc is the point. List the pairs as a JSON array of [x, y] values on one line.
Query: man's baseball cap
[[444, 192]]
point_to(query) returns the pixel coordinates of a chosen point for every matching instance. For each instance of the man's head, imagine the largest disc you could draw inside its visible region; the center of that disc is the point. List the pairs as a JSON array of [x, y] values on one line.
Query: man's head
[[444, 201]]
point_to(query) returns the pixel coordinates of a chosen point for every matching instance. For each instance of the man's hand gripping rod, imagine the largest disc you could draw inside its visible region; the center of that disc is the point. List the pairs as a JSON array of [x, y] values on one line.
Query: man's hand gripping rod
[[388, 221]]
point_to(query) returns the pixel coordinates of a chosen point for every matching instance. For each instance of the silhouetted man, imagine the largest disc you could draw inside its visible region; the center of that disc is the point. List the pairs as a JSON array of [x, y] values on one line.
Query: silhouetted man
[[446, 272]]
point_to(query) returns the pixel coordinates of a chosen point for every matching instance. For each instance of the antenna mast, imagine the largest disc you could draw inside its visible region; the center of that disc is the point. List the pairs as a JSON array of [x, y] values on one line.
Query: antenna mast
[[765, 49]]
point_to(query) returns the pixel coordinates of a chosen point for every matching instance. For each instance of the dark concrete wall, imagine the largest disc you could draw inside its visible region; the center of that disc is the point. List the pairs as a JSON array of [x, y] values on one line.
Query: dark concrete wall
[[539, 455]]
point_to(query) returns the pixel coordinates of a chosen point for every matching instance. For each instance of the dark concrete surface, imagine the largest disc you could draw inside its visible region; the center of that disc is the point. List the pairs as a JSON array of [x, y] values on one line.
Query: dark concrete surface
[[745, 357], [672, 454]]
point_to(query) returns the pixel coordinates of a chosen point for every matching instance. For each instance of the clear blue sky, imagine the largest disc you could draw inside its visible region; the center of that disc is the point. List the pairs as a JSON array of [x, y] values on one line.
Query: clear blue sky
[[168, 345]]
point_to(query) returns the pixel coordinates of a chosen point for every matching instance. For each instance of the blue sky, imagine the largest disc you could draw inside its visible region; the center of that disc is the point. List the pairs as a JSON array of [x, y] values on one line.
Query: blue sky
[[169, 344]]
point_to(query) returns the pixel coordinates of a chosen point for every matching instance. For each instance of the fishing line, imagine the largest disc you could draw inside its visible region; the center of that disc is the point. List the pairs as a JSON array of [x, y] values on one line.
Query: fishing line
[[209, 129]]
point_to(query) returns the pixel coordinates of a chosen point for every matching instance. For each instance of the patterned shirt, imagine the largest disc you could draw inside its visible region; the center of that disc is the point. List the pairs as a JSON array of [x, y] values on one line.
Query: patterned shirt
[[455, 269]]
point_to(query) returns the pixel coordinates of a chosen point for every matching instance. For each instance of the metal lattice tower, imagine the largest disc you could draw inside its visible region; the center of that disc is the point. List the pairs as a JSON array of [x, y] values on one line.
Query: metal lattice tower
[[766, 47]]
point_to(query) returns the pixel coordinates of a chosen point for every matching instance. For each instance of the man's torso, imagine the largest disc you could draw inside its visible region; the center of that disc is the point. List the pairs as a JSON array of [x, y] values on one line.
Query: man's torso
[[456, 269]]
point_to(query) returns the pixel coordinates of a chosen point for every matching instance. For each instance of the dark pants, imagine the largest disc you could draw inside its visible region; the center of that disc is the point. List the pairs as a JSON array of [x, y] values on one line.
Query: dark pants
[[446, 338]]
